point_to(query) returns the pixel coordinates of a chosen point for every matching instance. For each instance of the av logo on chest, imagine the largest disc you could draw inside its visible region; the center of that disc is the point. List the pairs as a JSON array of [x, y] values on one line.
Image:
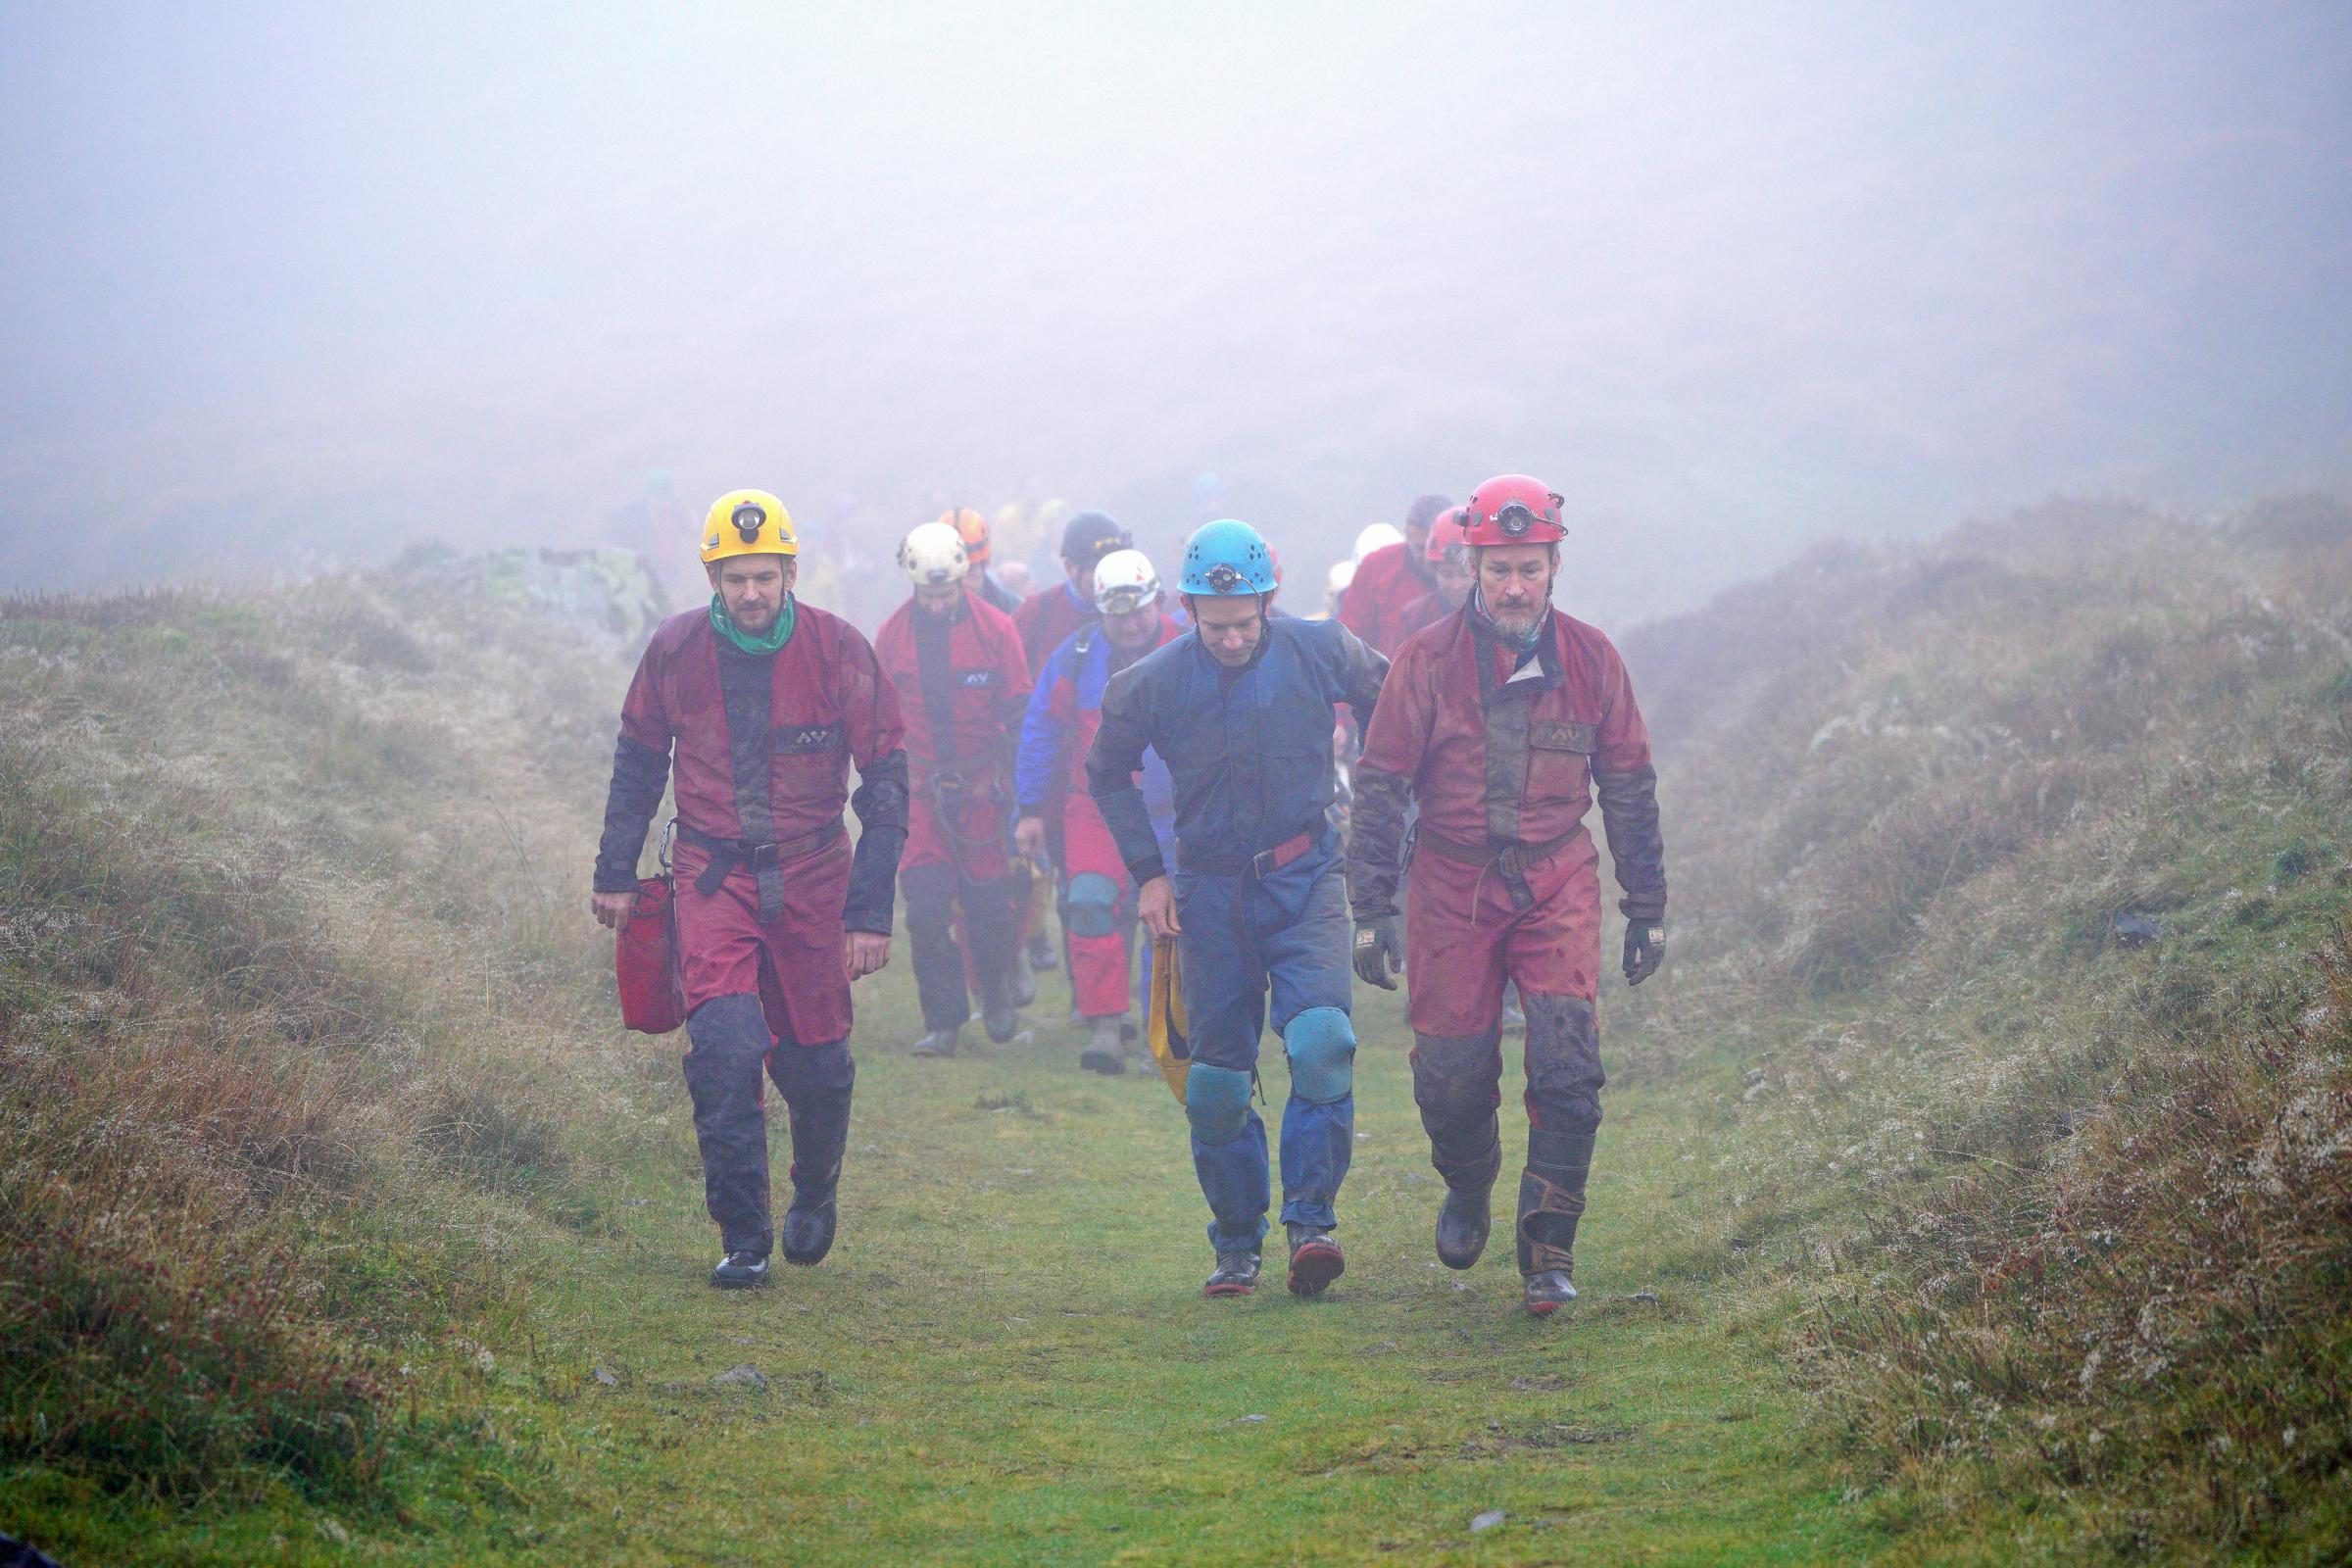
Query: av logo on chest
[[795, 740], [976, 677]]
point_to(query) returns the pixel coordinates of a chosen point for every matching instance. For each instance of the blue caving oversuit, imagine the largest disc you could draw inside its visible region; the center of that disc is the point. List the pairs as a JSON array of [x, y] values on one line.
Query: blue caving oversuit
[[1064, 707], [1259, 894]]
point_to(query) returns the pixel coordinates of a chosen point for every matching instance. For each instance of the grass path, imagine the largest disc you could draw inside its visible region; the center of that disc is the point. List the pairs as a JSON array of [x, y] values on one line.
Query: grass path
[[1006, 1360]]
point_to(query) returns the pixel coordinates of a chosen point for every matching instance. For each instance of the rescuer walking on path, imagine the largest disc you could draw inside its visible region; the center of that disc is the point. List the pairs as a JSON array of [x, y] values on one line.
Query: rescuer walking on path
[[962, 682], [1063, 715], [1452, 569], [1055, 610], [1241, 709], [1046, 617], [764, 703], [1388, 579], [1503, 722]]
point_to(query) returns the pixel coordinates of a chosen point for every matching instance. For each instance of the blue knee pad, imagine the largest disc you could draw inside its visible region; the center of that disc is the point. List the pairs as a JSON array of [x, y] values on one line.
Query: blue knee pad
[[1216, 1101], [1091, 895], [1321, 1043]]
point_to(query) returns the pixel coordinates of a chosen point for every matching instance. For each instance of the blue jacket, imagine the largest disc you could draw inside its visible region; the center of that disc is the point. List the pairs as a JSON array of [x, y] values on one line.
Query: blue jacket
[[1064, 707], [1249, 748]]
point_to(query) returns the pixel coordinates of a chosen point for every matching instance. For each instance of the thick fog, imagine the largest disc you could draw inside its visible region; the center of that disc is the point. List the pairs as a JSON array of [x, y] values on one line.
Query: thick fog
[[287, 285]]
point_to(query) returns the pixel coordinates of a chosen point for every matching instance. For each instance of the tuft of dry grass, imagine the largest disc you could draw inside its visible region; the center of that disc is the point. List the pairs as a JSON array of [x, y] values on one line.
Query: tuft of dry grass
[[2070, 1218], [290, 1010]]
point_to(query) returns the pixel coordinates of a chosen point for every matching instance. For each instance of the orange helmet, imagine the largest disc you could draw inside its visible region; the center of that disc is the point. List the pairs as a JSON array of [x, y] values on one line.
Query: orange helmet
[[972, 529]]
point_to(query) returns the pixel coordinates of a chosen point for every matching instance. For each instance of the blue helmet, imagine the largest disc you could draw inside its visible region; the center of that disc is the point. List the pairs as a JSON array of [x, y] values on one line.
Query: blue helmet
[[1226, 556]]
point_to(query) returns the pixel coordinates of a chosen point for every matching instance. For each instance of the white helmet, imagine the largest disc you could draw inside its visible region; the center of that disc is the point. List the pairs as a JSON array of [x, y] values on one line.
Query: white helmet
[[933, 555], [1124, 581], [1375, 536], [1342, 573]]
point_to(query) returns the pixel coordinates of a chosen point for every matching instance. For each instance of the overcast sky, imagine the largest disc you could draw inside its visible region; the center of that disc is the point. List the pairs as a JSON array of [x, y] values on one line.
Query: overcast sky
[[282, 283]]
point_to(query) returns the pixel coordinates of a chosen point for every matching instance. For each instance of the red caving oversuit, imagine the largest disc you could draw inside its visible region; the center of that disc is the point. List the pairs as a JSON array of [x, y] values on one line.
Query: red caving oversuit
[[989, 674], [1431, 729], [1377, 603], [830, 706]]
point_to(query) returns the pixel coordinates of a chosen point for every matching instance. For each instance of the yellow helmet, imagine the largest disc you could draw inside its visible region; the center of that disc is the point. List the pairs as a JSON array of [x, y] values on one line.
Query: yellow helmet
[[748, 523]]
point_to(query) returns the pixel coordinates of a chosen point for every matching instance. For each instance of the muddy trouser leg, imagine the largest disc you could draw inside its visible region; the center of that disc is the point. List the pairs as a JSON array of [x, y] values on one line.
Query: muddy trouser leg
[[728, 1037], [1563, 1108], [816, 1083], [930, 893], [992, 926], [1457, 1082]]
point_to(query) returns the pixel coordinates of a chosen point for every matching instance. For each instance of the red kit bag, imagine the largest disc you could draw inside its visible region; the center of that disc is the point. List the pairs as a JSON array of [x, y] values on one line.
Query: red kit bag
[[645, 961]]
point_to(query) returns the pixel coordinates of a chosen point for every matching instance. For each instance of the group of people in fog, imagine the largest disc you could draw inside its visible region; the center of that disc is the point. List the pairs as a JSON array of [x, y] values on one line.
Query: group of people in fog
[[1048, 779]]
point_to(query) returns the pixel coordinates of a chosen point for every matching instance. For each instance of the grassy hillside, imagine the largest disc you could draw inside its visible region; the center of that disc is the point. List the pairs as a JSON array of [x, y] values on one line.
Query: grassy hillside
[[293, 1001], [2074, 1216], [1931, 1222]]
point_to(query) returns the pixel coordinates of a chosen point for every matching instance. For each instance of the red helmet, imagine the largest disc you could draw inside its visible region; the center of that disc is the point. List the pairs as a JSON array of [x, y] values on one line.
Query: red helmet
[[1445, 532], [1512, 509]]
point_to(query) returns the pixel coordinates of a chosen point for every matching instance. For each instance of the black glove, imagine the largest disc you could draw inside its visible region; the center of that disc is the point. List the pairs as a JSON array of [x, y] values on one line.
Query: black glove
[[1645, 950], [1379, 950]]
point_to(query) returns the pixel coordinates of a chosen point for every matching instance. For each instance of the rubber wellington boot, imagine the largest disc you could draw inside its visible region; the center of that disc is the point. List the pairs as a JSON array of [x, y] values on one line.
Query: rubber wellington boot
[[938, 1042], [1104, 1051], [1551, 1200], [1316, 1261], [1463, 1222], [998, 1013], [809, 1231]]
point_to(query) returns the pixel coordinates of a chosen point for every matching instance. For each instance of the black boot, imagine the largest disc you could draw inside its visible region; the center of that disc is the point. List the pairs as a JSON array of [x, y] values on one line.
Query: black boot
[[1462, 1225], [818, 1085], [1455, 1083], [740, 1271], [1551, 1200], [1105, 1052], [998, 1013], [1236, 1273]]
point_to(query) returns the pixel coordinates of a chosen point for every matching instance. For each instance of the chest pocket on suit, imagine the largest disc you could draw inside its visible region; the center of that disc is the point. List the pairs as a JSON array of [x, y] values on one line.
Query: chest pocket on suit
[[1560, 758]]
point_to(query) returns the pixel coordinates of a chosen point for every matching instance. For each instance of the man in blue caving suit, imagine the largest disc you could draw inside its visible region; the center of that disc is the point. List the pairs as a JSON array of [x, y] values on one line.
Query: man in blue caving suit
[[1240, 707]]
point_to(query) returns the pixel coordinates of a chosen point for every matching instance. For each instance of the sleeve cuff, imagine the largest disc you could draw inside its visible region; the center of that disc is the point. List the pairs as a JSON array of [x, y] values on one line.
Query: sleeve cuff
[[1145, 870]]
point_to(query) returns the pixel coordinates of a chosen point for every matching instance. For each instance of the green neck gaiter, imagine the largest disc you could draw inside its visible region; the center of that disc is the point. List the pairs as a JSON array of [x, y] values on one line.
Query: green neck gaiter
[[778, 637]]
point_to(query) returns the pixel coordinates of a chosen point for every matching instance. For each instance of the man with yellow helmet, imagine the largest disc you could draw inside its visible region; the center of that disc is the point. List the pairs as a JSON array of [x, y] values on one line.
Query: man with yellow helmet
[[761, 704]]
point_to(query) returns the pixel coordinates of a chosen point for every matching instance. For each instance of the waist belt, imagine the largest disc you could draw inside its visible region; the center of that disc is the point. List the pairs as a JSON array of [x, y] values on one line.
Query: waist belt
[[1511, 859], [764, 859], [1264, 863]]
